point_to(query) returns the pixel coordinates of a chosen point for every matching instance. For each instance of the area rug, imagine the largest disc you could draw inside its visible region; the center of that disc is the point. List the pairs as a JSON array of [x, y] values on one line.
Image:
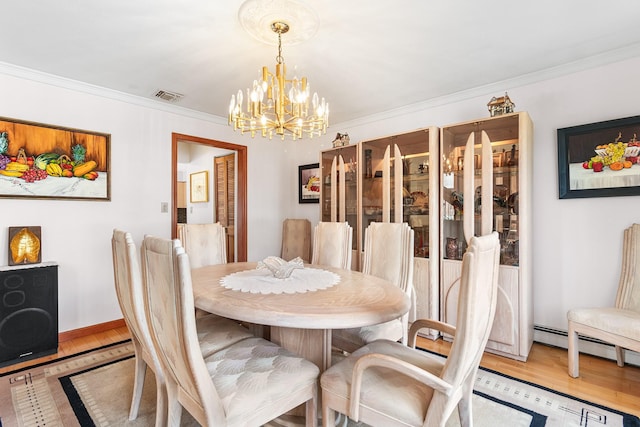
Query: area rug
[[94, 389]]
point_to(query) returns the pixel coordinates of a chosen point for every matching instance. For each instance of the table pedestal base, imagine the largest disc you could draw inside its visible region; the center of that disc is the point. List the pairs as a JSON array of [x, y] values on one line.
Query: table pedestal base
[[312, 344]]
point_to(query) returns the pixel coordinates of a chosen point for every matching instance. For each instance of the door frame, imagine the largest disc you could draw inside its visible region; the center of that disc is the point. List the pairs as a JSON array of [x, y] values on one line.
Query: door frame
[[241, 196]]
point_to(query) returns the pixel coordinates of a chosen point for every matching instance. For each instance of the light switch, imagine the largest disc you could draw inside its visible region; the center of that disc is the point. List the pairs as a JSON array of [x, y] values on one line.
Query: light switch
[[164, 207]]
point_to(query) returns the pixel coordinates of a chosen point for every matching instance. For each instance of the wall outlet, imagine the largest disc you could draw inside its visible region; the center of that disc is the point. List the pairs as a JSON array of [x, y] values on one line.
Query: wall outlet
[[164, 207]]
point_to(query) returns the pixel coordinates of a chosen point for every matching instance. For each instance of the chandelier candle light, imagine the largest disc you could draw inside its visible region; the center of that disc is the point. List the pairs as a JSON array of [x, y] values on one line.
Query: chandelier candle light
[[277, 105]]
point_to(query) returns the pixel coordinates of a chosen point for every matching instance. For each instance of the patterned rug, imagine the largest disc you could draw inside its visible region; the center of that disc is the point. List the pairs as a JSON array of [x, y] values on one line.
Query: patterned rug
[[94, 389]]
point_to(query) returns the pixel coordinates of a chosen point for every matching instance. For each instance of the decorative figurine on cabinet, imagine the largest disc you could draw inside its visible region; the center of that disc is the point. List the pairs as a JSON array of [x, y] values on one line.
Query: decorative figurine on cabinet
[[341, 140], [500, 106]]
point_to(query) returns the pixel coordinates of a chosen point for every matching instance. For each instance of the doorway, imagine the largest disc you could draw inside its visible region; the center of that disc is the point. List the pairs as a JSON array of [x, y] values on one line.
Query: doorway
[[241, 185]]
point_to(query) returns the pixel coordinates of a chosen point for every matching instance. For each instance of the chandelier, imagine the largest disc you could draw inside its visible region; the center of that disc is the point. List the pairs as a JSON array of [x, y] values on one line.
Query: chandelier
[[275, 105]]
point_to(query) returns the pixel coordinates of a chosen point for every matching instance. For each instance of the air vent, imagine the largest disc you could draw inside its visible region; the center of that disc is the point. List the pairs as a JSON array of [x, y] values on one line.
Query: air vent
[[165, 95]]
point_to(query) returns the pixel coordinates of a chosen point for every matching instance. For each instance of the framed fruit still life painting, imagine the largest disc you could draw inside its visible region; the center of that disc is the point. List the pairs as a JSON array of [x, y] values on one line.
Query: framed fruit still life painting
[[309, 183], [52, 162], [599, 159]]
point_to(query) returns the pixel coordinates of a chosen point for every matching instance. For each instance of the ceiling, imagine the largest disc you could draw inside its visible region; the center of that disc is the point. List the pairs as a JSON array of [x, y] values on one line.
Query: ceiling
[[366, 57]]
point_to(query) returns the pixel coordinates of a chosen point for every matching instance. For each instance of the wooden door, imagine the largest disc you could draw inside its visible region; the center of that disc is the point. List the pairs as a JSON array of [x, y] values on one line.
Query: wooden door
[[224, 169]]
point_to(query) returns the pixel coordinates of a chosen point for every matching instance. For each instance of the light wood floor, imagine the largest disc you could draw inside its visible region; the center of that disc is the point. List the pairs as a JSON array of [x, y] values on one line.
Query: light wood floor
[[601, 381]]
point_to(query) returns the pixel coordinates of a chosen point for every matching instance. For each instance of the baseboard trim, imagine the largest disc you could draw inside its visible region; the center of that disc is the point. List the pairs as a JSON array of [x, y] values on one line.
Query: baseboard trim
[[90, 330], [595, 347]]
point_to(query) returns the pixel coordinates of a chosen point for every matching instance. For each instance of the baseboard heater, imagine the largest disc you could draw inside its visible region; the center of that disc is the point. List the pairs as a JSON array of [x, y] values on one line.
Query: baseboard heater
[[558, 338]]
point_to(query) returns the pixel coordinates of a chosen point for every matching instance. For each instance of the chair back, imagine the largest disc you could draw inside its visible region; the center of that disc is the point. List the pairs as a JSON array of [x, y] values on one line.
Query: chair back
[[332, 244], [206, 244], [129, 290], [296, 239], [629, 287], [476, 309], [169, 298], [388, 253]]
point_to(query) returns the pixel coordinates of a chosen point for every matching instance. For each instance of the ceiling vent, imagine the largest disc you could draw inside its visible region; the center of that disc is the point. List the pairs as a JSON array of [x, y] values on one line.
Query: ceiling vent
[[165, 95]]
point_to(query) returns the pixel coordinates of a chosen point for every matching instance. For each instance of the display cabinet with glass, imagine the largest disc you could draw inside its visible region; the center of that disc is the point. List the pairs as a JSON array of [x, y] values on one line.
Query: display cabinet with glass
[[399, 183], [339, 190], [490, 160]]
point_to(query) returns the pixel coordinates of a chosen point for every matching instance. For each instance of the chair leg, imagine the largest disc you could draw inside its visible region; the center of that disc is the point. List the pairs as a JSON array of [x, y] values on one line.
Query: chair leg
[[138, 382], [161, 401], [620, 355], [174, 408], [311, 407], [328, 416], [465, 410], [573, 353]]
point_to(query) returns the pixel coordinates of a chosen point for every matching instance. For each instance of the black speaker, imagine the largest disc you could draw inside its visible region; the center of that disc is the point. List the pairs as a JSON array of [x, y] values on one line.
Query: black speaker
[[28, 313]]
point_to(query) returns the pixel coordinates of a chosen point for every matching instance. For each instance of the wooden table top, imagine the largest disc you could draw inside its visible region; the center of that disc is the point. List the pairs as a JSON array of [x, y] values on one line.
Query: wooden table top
[[358, 300]]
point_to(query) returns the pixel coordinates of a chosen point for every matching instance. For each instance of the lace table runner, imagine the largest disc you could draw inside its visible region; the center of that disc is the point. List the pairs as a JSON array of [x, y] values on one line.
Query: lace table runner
[[262, 281]]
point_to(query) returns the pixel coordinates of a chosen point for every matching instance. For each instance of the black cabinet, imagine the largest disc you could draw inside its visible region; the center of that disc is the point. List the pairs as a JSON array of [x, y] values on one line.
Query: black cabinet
[[28, 312]]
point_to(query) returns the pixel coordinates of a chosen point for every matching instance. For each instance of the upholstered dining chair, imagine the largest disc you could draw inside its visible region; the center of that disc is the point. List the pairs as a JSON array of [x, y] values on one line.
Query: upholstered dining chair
[[388, 254], [296, 239], [212, 330], [206, 244], [620, 324], [128, 281], [386, 383], [244, 383], [332, 244]]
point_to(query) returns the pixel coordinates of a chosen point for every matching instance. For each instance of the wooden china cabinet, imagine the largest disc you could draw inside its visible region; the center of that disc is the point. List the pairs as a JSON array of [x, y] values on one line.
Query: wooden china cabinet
[[436, 180], [486, 176]]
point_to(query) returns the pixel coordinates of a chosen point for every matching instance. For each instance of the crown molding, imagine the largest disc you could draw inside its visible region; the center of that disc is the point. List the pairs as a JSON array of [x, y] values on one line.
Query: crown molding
[[78, 86], [610, 57], [613, 56]]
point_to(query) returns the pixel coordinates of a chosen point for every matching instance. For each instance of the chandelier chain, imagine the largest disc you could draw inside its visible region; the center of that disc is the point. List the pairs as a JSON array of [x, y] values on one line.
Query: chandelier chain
[[279, 58]]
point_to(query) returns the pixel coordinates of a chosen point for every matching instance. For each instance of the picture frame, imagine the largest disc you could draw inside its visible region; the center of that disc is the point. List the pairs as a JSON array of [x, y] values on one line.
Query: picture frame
[[497, 160], [309, 183], [199, 187], [24, 245], [477, 162], [577, 145], [63, 163]]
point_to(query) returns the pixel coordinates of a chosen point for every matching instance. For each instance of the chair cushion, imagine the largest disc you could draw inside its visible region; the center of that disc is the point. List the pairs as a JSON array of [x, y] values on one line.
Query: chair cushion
[[391, 330], [216, 333], [254, 374], [617, 321], [401, 397]]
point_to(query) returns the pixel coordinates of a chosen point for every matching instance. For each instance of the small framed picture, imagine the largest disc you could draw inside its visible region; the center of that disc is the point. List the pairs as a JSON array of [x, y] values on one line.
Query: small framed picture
[[309, 183], [199, 187], [497, 160]]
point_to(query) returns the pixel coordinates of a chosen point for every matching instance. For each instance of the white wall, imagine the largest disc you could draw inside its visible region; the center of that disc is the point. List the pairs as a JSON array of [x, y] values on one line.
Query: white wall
[[76, 234], [577, 246]]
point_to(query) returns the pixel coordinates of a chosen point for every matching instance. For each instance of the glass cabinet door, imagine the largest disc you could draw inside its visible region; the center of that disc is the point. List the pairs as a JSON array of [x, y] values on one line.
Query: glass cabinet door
[[502, 163], [333, 202], [412, 195]]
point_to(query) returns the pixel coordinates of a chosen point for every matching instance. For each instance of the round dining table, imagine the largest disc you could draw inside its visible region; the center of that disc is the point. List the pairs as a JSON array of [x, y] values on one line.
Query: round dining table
[[301, 321]]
